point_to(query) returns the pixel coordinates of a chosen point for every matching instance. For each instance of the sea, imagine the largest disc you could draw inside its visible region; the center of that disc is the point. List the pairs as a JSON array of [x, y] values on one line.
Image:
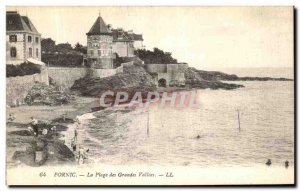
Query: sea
[[241, 127]]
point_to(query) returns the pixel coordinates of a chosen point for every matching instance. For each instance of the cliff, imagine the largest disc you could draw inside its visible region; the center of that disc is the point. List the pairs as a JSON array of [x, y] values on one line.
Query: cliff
[[134, 78]]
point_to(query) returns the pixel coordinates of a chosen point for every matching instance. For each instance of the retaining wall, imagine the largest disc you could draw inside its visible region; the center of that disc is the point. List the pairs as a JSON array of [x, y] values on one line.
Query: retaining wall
[[18, 87]]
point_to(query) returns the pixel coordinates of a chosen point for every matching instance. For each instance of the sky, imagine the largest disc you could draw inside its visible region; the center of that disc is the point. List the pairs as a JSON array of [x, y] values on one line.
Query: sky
[[203, 37]]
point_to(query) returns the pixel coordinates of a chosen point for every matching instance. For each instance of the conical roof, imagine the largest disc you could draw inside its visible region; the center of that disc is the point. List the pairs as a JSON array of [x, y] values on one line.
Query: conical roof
[[99, 28]]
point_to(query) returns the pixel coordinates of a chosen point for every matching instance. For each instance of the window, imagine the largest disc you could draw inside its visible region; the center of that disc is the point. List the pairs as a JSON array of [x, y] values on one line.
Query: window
[[29, 39], [12, 38], [13, 52], [92, 53], [36, 39], [99, 52], [37, 52], [30, 52]]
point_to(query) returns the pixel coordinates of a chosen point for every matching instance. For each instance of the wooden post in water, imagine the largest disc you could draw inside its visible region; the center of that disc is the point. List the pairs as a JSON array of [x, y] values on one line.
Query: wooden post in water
[[239, 119], [148, 123]]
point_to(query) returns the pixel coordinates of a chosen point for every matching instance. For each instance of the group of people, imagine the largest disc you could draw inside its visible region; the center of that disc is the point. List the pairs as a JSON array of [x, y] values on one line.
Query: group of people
[[35, 128]]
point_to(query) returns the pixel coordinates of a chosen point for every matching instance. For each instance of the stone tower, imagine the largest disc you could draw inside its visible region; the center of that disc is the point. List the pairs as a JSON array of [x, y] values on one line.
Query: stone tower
[[99, 46]]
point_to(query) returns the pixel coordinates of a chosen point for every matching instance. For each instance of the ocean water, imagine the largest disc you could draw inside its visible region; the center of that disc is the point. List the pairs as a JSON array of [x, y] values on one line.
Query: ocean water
[[267, 130]]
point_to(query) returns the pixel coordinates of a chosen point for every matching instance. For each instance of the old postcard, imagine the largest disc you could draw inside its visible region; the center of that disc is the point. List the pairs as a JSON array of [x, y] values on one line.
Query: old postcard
[[150, 95]]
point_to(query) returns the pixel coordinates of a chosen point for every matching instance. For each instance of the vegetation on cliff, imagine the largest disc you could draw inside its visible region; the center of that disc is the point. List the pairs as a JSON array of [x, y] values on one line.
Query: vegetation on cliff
[[156, 56]]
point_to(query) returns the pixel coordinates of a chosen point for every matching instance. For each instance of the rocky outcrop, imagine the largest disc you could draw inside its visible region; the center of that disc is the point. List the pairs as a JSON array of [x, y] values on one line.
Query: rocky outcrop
[[134, 79], [194, 74], [260, 79], [203, 79], [41, 94]]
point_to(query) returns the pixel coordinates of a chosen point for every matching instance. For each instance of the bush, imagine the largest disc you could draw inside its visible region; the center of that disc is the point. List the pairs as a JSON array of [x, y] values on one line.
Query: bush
[[22, 69], [156, 56], [65, 60]]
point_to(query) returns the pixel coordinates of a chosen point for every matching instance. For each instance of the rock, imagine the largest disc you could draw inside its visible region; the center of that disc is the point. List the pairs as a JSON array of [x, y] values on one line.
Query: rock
[[57, 152], [260, 79], [134, 79], [193, 73], [21, 133], [41, 94], [25, 157]]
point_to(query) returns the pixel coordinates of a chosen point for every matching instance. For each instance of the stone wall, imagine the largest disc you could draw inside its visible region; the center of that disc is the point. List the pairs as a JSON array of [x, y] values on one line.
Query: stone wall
[[102, 73], [176, 68], [164, 68], [65, 77], [18, 87], [156, 68], [172, 73]]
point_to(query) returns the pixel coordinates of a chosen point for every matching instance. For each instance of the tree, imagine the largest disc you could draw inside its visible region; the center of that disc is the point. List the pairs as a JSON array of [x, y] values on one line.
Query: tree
[[48, 45], [80, 48], [156, 56], [64, 47]]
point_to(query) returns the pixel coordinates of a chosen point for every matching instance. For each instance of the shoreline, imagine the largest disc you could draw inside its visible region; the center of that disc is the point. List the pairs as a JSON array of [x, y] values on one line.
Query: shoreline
[[81, 106]]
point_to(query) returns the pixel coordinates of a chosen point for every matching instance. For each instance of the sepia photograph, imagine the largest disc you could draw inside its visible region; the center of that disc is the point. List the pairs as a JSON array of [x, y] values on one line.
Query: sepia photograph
[[150, 95]]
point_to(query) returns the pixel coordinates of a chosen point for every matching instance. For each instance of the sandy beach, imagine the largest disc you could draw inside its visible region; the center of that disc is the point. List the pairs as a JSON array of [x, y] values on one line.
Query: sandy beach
[[44, 114]]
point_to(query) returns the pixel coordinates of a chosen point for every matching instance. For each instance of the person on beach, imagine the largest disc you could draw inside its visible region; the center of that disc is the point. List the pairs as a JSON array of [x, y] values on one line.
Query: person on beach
[[30, 130], [11, 117], [45, 132], [82, 154], [53, 130], [64, 116], [77, 123], [73, 145], [75, 134], [286, 164], [268, 163], [34, 124]]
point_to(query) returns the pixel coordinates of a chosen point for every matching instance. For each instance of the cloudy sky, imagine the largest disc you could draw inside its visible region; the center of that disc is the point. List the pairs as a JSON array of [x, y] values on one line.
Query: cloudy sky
[[204, 37]]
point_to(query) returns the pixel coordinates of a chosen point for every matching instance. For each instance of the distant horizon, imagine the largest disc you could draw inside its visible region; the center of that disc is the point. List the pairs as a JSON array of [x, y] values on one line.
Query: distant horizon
[[203, 37]]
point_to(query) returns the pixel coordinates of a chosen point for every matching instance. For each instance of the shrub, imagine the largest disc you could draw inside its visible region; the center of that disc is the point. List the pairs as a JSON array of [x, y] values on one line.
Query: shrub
[[22, 69], [65, 60], [156, 56]]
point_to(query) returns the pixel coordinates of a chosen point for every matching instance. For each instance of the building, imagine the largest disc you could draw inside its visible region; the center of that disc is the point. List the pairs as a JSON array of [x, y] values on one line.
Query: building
[[137, 40], [99, 46], [167, 75], [122, 43], [104, 43], [23, 41]]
